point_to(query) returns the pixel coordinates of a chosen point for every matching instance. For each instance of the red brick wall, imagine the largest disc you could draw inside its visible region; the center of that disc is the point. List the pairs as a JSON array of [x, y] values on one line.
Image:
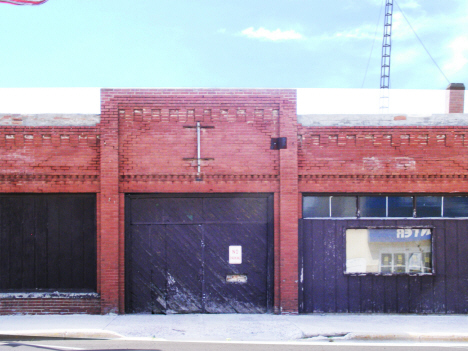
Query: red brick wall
[[49, 306], [383, 159], [156, 143], [49, 159]]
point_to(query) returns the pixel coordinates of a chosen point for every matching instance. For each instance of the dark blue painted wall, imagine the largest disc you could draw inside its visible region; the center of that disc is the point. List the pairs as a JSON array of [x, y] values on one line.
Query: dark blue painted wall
[[325, 288]]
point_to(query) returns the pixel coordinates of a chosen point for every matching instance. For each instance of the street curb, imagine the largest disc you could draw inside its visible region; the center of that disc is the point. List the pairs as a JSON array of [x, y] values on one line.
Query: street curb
[[60, 334], [407, 337]]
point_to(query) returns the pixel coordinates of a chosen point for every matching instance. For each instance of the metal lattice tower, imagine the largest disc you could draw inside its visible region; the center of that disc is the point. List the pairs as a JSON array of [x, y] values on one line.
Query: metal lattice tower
[[385, 63]]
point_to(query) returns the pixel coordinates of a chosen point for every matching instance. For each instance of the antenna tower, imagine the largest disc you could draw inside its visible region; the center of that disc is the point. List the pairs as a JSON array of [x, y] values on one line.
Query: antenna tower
[[385, 63]]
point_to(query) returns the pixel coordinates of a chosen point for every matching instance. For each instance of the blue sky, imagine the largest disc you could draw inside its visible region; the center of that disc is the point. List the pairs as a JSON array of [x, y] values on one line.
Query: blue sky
[[232, 43]]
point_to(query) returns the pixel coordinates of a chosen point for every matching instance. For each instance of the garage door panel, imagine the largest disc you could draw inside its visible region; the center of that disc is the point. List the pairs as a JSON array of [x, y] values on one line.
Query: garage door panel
[[76, 239], [27, 235], [198, 233], [246, 297], [44, 239], [5, 239], [147, 211], [41, 243], [182, 210], [141, 270], [65, 241], [184, 268], [89, 246], [53, 242], [237, 209], [148, 269], [157, 281], [14, 218]]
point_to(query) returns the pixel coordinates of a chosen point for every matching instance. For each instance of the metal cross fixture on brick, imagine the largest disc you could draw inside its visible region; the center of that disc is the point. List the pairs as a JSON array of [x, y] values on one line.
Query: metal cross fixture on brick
[[198, 158]]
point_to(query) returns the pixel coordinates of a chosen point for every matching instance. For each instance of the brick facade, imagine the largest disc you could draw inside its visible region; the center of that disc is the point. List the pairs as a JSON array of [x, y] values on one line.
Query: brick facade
[[383, 159], [146, 143], [50, 306]]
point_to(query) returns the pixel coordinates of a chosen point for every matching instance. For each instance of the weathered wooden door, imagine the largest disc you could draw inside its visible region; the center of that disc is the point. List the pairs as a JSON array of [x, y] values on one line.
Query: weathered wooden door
[[47, 242], [177, 254]]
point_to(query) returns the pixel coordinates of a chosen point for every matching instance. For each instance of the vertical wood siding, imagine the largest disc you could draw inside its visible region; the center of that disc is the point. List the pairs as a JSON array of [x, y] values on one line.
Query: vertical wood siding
[[325, 288], [177, 256], [47, 242]]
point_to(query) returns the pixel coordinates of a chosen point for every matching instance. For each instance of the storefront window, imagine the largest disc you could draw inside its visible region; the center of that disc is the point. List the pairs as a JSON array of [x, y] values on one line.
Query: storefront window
[[429, 206], [389, 251], [343, 206], [361, 206], [455, 206], [400, 206], [316, 206], [372, 206]]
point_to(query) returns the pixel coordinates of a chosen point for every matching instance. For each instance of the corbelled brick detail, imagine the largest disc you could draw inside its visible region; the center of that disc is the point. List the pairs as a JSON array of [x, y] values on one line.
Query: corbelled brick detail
[[383, 159]]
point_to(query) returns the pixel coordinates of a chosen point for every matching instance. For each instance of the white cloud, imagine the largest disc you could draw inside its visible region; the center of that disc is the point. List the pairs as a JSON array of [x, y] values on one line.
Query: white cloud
[[411, 4], [363, 32], [407, 56], [276, 35], [459, 58]]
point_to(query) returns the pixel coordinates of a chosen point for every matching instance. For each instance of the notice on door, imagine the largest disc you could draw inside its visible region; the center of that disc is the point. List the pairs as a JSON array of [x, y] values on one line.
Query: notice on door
[[235, 254]]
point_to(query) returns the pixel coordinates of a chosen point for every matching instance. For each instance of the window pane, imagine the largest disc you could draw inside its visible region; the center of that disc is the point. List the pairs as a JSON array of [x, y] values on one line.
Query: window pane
[[315, 206], [400, 206], [343, 206], [456, 206], [372, 206], [389, 250], [428, 206]]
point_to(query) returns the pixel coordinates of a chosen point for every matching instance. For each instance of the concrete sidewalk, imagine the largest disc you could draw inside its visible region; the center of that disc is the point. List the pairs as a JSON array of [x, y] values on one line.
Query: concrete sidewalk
[[239, 327]]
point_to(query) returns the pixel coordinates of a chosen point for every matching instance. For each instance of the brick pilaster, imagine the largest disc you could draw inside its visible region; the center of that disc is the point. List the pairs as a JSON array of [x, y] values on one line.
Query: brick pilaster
[[288, 207], [108, 235]]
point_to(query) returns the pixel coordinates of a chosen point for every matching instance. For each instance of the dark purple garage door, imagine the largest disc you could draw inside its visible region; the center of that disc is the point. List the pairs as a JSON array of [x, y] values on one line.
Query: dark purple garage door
[[199, 254]]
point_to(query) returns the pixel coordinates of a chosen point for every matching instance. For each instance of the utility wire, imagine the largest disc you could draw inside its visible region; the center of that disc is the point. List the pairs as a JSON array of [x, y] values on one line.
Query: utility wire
[[399, 8], [373, 43]]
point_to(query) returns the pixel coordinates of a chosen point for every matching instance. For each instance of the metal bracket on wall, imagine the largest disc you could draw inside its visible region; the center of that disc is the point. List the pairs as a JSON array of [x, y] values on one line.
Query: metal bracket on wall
[[198, 158], [279, 143]]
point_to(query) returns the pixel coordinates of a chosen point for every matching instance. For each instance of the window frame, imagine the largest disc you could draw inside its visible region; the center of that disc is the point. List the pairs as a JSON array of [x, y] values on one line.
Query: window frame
[[392, 274], [358, 195]]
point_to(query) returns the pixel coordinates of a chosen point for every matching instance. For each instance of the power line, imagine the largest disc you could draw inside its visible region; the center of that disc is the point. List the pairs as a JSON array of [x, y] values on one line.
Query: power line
[[399, 8]]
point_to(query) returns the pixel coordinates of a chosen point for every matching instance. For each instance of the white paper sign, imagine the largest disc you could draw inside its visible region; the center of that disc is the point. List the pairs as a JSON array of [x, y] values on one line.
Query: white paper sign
[[235, 254]]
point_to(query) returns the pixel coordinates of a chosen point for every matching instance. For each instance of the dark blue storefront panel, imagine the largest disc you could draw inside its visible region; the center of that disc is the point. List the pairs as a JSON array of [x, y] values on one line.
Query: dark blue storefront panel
[[463, 265], [439, 254], [324, 286], [451, 265], [341, 282]]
